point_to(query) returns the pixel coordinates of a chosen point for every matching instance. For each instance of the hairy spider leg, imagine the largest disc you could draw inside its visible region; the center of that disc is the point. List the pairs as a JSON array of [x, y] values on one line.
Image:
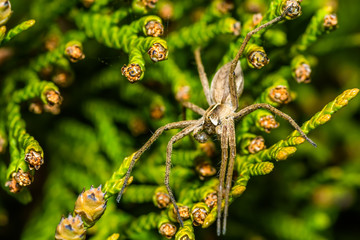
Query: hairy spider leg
[[194, 108], [203, 78], [224, 157], [232, 146], [232, 87], [153, 138], [186, 131], [249, 109]]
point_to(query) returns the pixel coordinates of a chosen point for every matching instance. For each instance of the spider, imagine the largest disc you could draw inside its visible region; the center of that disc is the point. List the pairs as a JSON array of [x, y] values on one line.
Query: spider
[[218, 119]]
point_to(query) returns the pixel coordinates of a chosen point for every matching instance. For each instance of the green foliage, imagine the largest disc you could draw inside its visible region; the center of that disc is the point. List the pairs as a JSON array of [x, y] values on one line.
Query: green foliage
[[89, 135]]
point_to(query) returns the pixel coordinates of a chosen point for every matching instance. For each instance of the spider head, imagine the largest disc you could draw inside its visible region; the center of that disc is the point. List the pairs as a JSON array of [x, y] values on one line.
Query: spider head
[[215, 115]]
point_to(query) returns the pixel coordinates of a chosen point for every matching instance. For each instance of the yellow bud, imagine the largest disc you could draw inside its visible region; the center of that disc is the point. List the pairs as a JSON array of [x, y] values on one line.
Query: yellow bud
[[70, 228], [90, 205], [284, 153], [5, 11]]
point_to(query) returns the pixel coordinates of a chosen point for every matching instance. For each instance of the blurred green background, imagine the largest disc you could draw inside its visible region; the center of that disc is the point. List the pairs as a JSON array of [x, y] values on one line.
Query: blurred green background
[[314, 191]]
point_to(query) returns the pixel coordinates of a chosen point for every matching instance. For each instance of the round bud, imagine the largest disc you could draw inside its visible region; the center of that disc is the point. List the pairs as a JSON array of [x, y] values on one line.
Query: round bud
[[256, 145], [90, 205], [157, 52], [302, 73], [5, 11], [198, 215], [70, 228], [211, 199], [154, 28], [280, 94], [23, 178], [162, 199], [258, 59], [74, 52], [132, 72], [34, 159], [167, 230], [268, 123]]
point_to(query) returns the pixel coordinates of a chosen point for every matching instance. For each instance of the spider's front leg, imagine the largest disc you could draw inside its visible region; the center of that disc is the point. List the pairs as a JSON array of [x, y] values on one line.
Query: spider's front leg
[[149, 142], [249, 109], [186, 131]]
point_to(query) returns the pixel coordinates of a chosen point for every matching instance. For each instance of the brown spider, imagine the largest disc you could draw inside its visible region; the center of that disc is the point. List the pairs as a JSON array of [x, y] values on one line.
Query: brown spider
[[218, 119]]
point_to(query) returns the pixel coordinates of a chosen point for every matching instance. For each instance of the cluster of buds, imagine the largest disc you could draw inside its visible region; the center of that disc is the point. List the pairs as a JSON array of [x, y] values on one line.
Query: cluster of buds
[[157, 111], [166, 10], [74, 51], [256, 19], [167, 230], [154, 28], [70, 228], [90, 205], [184, 212], [199, 213], [183, 94], [330, 22], [224, 6], [149, 3], [54, 101], [18, 180], [294, 11], [258, 59], [34, 159], [51, 42], [5, 11], [302, 73], [132, 72], [236, 28], [280, 94], [161, 197], [62, 78], [256, 145], [268, 123], [205, 169], [211, 200], [157, 52], [137, 126]]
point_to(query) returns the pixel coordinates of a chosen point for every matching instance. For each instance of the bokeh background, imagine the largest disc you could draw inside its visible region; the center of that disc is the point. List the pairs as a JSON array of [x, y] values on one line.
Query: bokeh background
[[312, 195]]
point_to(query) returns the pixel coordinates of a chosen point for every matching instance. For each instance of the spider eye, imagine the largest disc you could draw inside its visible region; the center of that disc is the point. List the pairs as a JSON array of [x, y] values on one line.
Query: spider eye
[[154, 52]]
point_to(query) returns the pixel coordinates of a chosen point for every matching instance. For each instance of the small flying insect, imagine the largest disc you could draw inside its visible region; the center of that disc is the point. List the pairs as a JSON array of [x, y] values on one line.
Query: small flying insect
[[219, 119]]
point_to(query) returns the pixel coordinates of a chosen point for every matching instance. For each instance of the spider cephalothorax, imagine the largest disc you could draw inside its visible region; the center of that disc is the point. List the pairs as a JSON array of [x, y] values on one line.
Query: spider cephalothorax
[[219, 119]]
